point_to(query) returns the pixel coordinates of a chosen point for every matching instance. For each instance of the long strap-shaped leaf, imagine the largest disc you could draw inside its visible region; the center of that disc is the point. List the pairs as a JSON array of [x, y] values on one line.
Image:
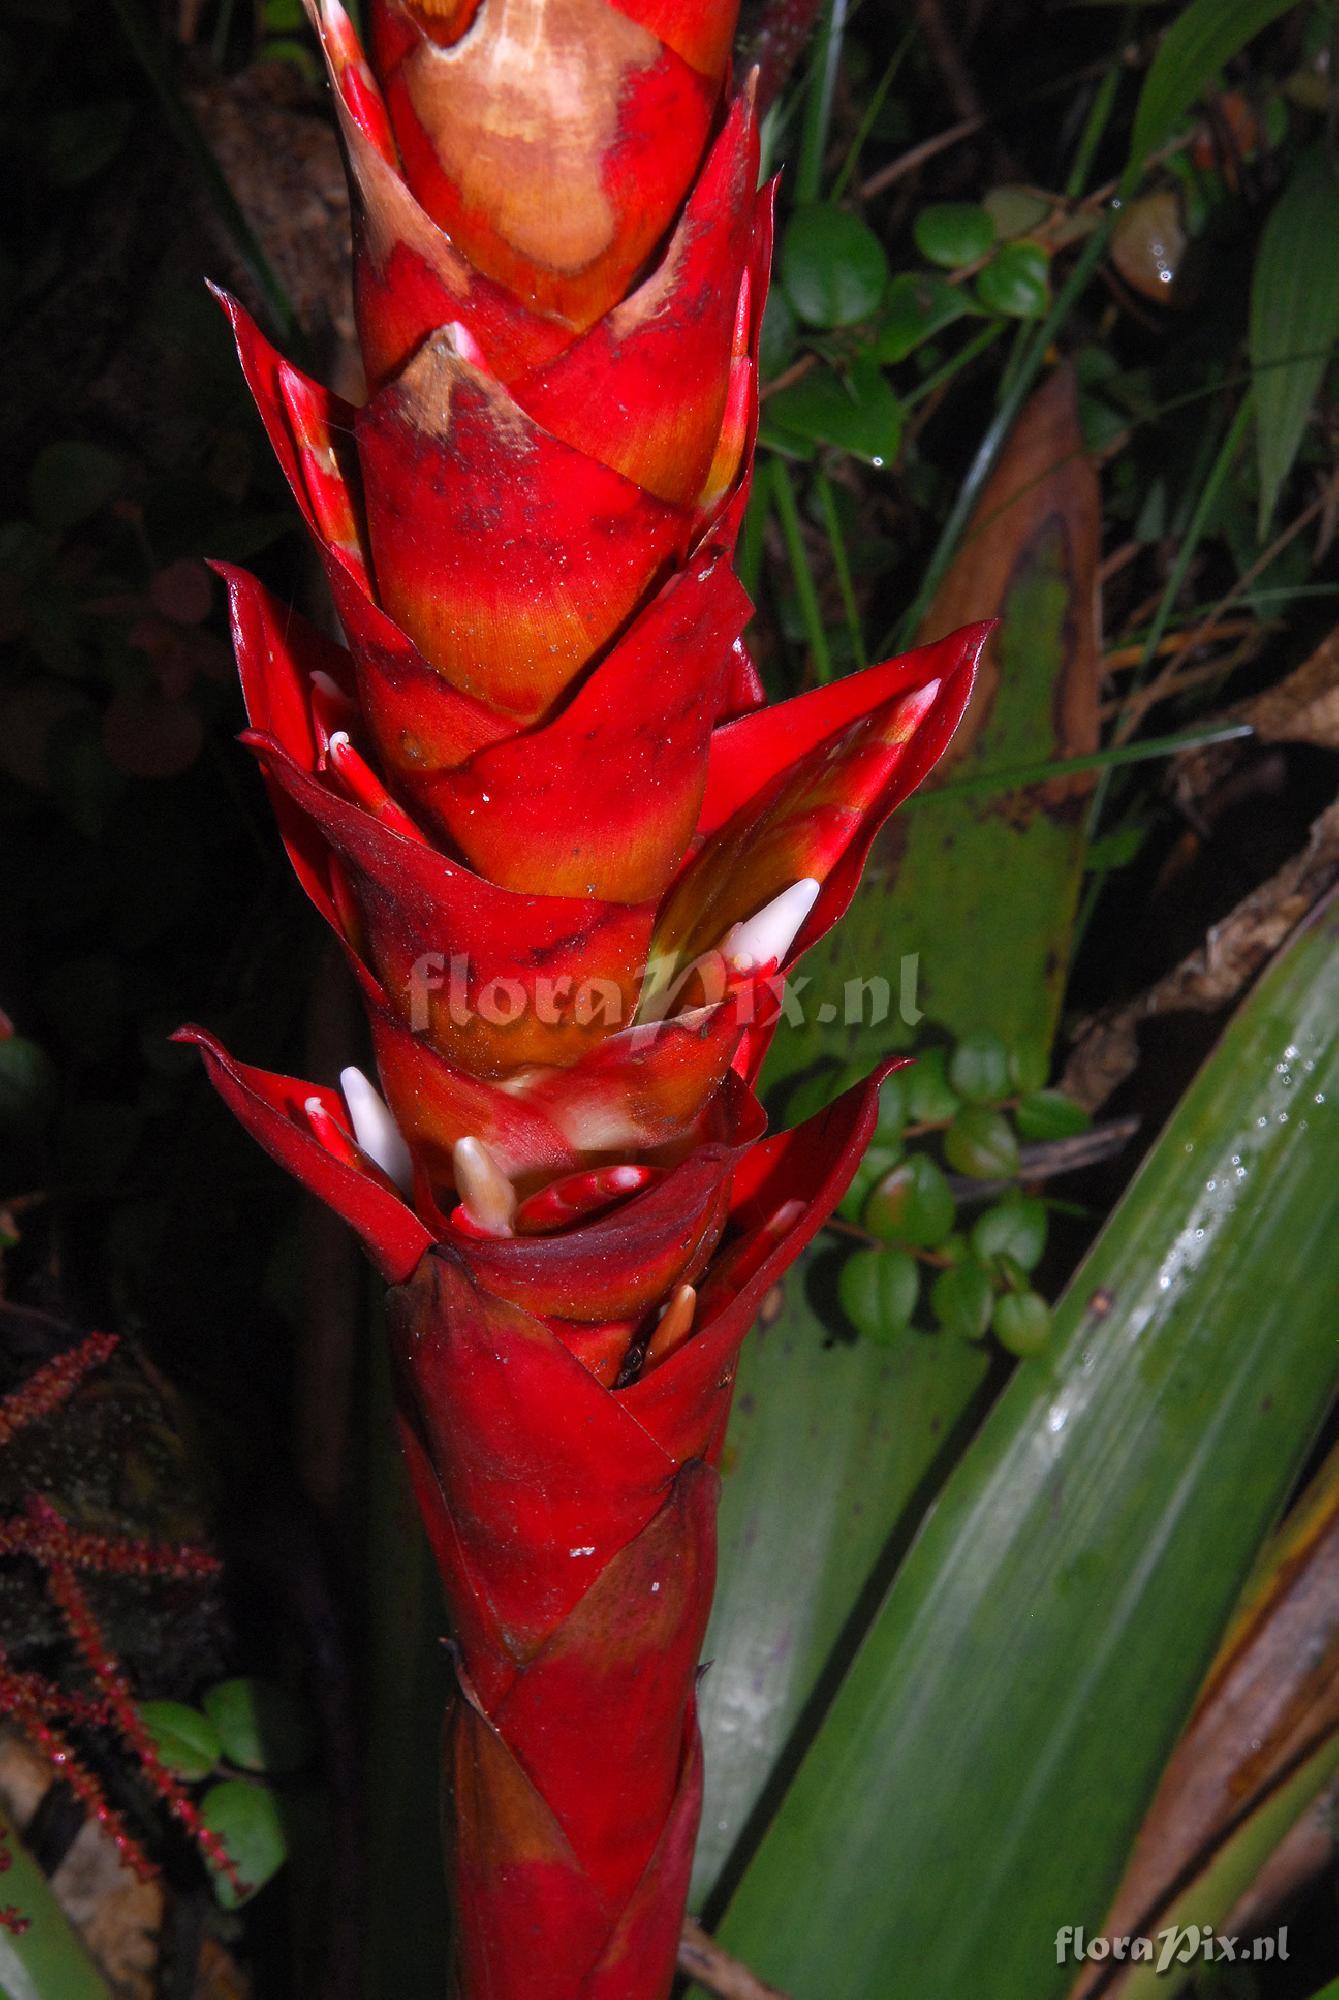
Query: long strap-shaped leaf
[[41, 1955], [979, 1779]]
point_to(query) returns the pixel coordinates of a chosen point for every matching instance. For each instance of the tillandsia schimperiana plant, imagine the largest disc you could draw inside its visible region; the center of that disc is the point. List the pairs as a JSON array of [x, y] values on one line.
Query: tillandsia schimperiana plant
[[570, 856]]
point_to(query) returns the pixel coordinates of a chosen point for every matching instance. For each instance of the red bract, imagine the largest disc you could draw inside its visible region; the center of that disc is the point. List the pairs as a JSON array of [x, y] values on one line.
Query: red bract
[[570, 858]]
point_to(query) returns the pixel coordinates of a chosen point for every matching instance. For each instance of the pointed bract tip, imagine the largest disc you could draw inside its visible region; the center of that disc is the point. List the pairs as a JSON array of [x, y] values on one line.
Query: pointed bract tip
[[765, 939], [375, 1129]]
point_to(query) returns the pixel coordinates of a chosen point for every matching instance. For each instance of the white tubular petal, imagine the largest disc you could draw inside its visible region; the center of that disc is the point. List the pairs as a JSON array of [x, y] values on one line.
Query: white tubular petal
[[328, 687], [765, 939], [375, 1130], [483, 1187], [339, 740]]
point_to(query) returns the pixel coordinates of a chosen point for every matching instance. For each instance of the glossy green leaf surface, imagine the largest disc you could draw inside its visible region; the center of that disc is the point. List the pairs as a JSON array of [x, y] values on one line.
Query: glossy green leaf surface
[[978, 1781], [828, 1444], [1200, 40], [45, 1960], [1294, 319]]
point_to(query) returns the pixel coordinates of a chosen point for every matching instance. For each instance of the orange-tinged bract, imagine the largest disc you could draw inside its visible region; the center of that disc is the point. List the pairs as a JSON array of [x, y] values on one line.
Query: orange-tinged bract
[[569, 855]]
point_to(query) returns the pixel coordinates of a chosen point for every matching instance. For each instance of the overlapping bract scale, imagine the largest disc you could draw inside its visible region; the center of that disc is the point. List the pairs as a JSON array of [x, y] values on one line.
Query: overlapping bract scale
[[534, 791]]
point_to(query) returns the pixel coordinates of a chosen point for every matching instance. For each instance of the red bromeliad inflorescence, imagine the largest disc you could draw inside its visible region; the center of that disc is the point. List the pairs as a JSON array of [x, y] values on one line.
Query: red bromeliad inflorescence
[[570, 856]]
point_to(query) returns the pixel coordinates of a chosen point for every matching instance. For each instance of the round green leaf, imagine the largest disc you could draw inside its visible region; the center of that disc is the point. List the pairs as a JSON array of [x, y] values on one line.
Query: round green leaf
[[186, 1740], [961, 1298], [930, 1098], [1022, 1322], [954, 233], [246, 1819], [833, 268], [1014, 1229], [880, 1159], [260, 1725], [981, 1142], [878, 1291], [979, 1068], [912, 1204], [69, 481], [27, 1086], [1014, 209], [917, 306], [1017, 282], [1048, 1114], [892, 1106], [776, 343], [857, 412]]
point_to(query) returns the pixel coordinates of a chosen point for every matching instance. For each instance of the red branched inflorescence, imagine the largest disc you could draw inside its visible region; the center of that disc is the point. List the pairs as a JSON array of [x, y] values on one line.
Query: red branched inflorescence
[[53, 1384], [39, 1707]]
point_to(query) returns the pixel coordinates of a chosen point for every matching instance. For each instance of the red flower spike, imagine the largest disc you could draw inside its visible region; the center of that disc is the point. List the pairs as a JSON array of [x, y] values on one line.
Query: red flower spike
[[570, 856], [507, 556]]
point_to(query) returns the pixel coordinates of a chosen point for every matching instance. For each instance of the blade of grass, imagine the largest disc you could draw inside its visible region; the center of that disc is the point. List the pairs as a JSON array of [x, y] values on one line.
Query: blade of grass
[[841, 565], [992, 443], [847, 171], [806, 591], [1294, 308], [818, 102], [945, 373], [1114, 758], [978, 1780], [1099, 113], [147, 47], [1201, 39]]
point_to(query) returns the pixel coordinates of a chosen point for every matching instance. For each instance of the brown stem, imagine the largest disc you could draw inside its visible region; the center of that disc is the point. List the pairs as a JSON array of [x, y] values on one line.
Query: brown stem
[[703, 1960]]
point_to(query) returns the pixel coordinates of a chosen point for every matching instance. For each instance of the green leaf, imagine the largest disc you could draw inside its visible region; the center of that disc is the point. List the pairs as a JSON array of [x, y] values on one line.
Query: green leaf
[[911, 1205], [186, 1740], [246, 1819], [858, 412], [982, 1143], [46, 1959], [931, 1099], [1022, 1322], [829, 1446], [69, 481], [833, 267], [979, 891], [1016, 283], [1201, 39], [1046, 1115], [954, 233], [1014, 1228], [260, 1725], [1015, 209], [777, 341], [917, 306], [979, 1068], [878, 1290], [1294, 320], [960, 1299], [979, 1778]]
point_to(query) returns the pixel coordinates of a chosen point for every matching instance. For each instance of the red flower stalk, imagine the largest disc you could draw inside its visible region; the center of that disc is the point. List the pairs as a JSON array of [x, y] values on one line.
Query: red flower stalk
[[570, 857]]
